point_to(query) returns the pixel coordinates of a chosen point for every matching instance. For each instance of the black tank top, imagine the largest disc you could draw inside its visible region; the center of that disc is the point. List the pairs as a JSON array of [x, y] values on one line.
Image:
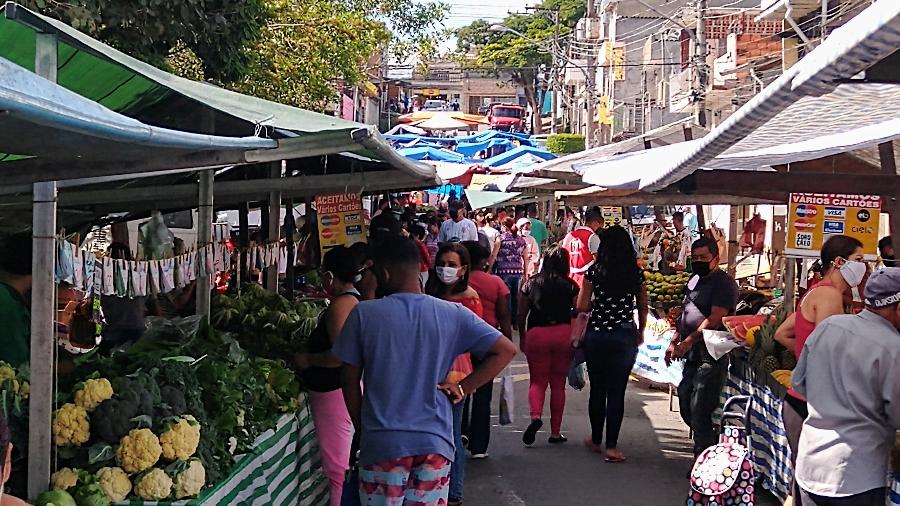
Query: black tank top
[[323, 379]]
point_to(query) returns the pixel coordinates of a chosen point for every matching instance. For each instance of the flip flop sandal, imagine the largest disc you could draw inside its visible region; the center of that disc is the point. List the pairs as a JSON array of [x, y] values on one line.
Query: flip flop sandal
[[615, 460]]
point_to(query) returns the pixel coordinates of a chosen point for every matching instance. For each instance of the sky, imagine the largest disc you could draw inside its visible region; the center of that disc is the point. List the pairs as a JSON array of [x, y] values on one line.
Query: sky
[[463, 12]]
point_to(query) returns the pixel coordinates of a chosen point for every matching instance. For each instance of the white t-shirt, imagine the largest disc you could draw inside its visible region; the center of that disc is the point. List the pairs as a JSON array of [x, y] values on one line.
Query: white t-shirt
[[491, 233], [453, 231]]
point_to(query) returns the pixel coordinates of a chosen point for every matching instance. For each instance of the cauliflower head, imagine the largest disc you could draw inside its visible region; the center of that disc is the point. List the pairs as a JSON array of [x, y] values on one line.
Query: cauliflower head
[[138, 451], [189, 482], [93, 392], [71, 426], [64, 479], [6, 372], [153, 486], [181, 439], [114, 482]]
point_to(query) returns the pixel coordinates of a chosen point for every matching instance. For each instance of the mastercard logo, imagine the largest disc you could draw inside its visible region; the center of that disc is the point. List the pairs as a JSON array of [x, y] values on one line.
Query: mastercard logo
[[802, 224], [330, 219], [327, 233]]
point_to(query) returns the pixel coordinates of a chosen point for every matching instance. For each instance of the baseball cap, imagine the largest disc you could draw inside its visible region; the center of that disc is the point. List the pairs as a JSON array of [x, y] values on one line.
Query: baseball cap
[[883, 288], [522, 222]]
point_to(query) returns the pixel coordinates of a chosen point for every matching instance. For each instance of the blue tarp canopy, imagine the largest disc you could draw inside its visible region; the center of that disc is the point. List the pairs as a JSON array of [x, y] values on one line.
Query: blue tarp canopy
[[429, 153], [470, 148], [509, 156]]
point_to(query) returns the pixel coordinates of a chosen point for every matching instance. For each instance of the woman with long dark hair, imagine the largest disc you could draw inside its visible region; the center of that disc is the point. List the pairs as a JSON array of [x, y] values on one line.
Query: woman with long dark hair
[[321, 369], [842, 269], [545, 313], [450, 281], [616, 285]]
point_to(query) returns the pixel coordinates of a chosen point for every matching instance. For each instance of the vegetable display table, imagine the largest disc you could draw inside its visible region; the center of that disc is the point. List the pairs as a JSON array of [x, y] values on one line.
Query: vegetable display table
[[282, 469], [771, 453]]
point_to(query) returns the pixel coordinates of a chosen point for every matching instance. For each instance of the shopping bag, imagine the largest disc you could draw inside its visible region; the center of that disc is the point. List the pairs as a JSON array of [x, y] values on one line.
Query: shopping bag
[[350, 492], [507, 397], [578, 371]]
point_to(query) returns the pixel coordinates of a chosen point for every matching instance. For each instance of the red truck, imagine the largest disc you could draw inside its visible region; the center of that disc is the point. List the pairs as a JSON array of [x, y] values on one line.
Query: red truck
[[507, 117]]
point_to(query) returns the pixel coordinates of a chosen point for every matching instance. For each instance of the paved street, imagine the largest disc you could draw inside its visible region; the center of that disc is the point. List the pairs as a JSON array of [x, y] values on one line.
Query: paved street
[[654, 439]]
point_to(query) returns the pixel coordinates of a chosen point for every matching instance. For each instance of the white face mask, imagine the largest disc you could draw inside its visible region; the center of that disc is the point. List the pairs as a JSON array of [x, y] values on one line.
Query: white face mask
[[526, 233], [447, 275], [853, 272]]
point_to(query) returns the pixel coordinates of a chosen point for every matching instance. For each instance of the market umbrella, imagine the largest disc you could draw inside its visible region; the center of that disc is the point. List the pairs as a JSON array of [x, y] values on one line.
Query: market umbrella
[[418, 116], [444, 123]]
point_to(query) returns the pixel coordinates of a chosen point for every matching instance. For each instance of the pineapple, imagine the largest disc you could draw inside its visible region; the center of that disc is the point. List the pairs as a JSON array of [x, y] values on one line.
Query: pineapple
[[788, 360], [770, 364]]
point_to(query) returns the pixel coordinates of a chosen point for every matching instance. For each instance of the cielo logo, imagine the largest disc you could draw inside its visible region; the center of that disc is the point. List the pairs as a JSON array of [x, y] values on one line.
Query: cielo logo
[[330, 219], [806, 211]]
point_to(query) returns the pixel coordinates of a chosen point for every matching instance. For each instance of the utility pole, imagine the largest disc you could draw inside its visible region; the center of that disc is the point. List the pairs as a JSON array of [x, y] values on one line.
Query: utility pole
[[701, 49], [590, 78], [554, 109]]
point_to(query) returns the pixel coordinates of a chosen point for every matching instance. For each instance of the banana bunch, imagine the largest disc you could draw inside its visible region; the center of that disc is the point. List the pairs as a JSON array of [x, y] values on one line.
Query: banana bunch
[[783, 376]]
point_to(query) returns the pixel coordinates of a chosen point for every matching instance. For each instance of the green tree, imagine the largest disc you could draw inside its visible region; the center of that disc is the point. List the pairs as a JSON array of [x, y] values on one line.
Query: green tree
[[522, 56], [216, 31]]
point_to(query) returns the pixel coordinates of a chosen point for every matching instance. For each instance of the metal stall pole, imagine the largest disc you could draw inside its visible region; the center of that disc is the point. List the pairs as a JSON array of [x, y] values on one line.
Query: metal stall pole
[[43, 303], [290, 226], [204, 237], [274, 225]]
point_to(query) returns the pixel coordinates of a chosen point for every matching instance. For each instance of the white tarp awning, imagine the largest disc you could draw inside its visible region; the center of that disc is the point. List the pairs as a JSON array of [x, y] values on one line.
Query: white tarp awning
[[852, 117], [866, 39]]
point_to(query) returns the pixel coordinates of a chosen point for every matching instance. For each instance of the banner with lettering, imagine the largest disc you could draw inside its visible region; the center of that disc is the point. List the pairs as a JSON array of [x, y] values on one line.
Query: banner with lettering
[[814, 217], [340, 220]]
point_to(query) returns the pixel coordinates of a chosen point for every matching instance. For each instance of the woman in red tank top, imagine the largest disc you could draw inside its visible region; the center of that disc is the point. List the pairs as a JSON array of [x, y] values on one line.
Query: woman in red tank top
[[450, 281], [843, 269]]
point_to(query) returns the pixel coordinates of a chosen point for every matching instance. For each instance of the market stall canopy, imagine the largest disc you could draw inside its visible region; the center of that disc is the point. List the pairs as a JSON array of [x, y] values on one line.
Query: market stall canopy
[[444, 123], [404, 129], [472, 148], [562, 168], [866, 39], [851, 117], [47, 129], [512, 154], [143, 92], [431, 153], [483, 199]]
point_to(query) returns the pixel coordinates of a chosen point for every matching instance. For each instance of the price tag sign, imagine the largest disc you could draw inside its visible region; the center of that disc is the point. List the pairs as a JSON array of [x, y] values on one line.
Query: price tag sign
[[814, 217]]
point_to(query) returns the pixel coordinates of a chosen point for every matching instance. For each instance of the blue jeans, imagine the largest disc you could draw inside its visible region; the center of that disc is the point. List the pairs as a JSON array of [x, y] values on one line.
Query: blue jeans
[[610, 355], [512, 282], [458, 469]]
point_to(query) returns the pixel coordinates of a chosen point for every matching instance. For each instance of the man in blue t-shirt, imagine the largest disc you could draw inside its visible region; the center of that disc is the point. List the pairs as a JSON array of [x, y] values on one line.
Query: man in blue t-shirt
[[401, 347]]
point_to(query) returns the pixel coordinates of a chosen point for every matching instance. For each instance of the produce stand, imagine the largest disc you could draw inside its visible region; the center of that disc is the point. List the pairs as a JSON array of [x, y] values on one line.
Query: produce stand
[[282, 469], [771, 453]]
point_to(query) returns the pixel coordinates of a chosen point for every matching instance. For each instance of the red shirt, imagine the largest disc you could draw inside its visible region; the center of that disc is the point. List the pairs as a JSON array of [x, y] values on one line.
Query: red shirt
[[490, 288], [424, 256]]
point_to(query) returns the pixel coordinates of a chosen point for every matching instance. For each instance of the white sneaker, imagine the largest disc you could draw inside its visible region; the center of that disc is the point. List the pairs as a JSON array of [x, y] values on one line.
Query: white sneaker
[[479, 456]]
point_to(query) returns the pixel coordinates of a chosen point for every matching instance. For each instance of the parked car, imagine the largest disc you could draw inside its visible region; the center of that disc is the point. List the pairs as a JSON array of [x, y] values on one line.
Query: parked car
[[435, 105]]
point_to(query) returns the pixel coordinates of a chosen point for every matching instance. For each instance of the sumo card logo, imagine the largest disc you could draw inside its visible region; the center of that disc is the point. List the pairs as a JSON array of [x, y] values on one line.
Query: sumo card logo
[[806, 211], [803, 240], [834, 227], [835, 213]]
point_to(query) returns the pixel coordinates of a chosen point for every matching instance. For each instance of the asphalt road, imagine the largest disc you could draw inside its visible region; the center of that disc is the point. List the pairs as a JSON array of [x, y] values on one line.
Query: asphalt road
[[654, 439]]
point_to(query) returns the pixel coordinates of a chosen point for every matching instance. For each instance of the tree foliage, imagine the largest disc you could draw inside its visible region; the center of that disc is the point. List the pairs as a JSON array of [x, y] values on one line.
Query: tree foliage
[[523, 56], [216, 31], [306, 47]]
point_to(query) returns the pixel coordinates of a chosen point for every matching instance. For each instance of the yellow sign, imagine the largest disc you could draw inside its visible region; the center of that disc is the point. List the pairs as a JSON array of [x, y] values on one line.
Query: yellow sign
[[431, 92], [604, 116], [341, 221], [618, 63], [612, 216], [814, 217], [479, 181]]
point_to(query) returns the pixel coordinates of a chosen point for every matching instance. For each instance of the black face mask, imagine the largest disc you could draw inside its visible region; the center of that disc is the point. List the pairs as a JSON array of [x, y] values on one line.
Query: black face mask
[[701, 269]]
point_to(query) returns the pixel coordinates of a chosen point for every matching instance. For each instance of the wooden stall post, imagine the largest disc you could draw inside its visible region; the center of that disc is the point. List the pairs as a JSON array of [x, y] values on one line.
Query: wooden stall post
[[274, 225], [890, 202], [290, 226], [43, 303]]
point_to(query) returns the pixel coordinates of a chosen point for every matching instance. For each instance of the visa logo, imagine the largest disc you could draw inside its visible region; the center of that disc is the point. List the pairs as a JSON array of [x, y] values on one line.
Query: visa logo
[[836, 212]]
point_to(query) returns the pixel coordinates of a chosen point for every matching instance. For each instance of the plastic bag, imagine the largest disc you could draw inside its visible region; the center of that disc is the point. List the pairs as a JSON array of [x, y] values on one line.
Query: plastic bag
[[507, 397], [718, 343], [155, 238], [578, 371]]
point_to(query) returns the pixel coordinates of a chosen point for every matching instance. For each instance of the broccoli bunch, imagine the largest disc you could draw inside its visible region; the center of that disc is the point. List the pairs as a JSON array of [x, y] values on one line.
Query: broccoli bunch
[[135, 396]]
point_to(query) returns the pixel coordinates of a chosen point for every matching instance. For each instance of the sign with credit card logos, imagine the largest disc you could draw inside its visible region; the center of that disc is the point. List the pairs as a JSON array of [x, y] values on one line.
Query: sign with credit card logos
[[814, 217]]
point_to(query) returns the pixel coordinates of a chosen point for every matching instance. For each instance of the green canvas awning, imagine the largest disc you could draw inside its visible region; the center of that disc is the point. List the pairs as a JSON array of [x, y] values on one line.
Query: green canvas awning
[[138, 90]]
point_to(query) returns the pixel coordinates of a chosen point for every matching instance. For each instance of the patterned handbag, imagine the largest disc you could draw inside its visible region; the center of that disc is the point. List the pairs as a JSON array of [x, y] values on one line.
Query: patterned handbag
[[723, 474]]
